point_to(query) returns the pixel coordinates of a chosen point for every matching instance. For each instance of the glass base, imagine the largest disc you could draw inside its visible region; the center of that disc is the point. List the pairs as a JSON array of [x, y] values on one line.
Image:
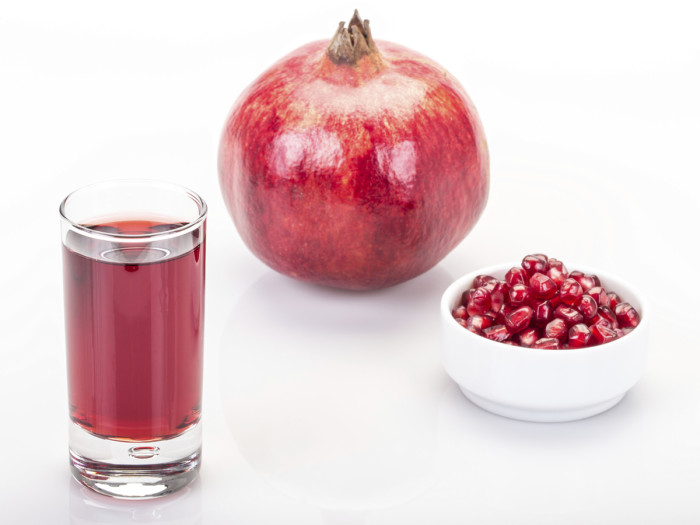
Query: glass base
[[129, 469]]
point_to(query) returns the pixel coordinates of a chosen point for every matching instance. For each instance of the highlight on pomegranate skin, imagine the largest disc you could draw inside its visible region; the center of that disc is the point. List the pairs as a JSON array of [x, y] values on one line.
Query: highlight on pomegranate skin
[[542, 305]]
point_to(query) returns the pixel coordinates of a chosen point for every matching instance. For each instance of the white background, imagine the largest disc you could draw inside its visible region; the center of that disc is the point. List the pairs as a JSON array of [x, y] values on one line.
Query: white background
[[329, 407]]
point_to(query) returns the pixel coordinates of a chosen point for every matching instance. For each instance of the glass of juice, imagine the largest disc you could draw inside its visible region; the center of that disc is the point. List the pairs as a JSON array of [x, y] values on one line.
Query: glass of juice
[[133, 267]]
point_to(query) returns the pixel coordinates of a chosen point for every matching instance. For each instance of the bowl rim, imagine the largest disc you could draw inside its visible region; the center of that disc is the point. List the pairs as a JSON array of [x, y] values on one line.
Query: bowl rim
[[461, 284]]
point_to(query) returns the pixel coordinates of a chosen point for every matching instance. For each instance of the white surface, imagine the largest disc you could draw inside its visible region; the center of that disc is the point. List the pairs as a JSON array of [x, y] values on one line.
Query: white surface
[[325, 407], [543, 385]]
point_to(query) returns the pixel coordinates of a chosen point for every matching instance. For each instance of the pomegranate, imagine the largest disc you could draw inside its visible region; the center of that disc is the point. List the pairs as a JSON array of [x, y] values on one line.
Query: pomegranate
[[541, 305], [357, 163]]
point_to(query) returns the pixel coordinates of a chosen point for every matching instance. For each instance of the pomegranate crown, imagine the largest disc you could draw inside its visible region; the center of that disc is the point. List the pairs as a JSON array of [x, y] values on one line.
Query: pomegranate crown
[[350, 44]]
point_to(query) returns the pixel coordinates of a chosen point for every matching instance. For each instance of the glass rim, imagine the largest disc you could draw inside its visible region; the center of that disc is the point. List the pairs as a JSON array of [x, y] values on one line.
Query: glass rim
[[175, 232]]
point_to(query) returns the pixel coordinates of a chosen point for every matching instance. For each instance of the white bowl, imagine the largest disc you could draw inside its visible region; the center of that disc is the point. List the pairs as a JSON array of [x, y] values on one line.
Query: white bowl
[[543, 385]]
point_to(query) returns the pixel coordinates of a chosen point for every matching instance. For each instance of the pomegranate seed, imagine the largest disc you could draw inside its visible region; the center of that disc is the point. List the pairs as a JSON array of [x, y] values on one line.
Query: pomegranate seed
[[505, 310], [556, 328], [606, 313], [498, 296], [518, 294], [599, 319], [613, 300], [570, 291], [557, 272], [555, 300], [460, 313], [466, 295], [482, 280], [479, 301], [516, 276], [518, 319], [478, 322], [627, 316], [576, 275], [491, 315], [569, 315], [579, 335], [556, 263], [534, 264], [586, 281], [587, 306], [542, 287], [497, 333], [528, 337], [603, 334], [547, 343], [543, 305], [463, 323], [545, 259], [543, 312], [601, 297]]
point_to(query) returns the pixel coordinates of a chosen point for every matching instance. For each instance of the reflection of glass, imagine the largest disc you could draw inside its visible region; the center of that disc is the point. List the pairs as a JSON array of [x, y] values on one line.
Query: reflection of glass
[[181, 508], [133, 258], [322, 396]]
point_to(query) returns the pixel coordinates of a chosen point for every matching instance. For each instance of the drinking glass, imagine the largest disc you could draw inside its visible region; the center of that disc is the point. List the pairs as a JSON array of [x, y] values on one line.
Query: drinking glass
[[133, 267]]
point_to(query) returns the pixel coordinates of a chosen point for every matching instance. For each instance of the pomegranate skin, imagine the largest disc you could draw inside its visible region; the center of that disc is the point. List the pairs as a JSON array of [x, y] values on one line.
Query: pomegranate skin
[[354, 176]]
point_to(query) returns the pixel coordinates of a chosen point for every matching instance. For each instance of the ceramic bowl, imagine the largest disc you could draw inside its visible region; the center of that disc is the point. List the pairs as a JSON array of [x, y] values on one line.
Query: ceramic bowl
[[543, 385]]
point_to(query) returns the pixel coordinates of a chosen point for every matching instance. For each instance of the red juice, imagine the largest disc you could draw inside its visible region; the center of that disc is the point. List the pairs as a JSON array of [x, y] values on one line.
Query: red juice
[[134, 329]]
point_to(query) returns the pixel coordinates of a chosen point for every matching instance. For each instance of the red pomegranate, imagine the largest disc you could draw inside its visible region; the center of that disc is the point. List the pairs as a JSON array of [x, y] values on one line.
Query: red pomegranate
[[355, 164]]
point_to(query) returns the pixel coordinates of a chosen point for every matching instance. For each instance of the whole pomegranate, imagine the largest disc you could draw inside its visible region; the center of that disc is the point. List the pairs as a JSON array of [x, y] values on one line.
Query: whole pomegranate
[[355, 164]]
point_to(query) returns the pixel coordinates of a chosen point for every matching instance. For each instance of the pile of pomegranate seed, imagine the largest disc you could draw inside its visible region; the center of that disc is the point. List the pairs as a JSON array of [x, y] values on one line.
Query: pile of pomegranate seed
[[542, 305]]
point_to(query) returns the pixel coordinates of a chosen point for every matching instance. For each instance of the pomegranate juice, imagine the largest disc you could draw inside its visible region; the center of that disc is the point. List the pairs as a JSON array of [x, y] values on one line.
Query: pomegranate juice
[[134, 329]]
